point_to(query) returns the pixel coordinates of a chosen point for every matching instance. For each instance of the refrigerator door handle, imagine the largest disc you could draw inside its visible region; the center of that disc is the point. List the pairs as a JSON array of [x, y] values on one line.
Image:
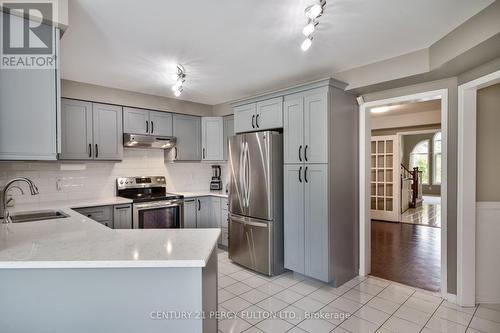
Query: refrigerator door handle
[[247, 176], [241, 220]]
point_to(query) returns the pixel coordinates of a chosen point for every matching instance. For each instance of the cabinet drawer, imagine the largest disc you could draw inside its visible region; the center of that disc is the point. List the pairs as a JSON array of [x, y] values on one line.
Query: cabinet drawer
[[99, 214]]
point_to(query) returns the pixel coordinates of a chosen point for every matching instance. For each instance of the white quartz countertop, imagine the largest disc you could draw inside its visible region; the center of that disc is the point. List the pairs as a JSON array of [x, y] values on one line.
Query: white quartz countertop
[[79, 242], [202, 193], [105, 201]]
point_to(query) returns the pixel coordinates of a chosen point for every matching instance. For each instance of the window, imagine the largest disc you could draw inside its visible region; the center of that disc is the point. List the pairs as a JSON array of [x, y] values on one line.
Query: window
[[419, 157], [436, 179]]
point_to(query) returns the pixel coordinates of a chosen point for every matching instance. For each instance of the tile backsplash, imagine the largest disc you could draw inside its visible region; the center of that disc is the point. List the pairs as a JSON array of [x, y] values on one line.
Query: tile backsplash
[[98, 179]]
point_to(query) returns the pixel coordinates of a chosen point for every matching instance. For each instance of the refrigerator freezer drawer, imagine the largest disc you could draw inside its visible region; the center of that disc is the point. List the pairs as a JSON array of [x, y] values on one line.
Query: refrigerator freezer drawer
[[250, 243]]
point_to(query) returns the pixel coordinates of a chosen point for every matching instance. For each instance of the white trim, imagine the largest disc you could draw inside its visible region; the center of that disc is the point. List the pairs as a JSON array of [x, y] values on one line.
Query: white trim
[[435, 130], [451, 298], [466, 187], [364, 178]]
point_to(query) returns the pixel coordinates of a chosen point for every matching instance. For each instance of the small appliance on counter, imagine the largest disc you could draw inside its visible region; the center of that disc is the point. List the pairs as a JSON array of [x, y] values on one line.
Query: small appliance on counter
[[216, 182]]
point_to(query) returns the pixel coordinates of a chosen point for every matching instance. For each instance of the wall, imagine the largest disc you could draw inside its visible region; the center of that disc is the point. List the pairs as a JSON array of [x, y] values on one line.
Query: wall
[[488, 195], [488, 139], [426, 118], [452, 85], [95, 93], [410, 141], [98, 179]]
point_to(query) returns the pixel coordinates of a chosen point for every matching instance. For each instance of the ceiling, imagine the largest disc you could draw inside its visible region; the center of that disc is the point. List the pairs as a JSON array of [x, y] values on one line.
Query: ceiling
[[232, 49], [407, 108]]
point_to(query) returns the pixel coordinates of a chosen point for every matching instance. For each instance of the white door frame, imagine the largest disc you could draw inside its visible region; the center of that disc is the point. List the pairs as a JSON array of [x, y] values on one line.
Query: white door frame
[[466, 187], [364, 177]]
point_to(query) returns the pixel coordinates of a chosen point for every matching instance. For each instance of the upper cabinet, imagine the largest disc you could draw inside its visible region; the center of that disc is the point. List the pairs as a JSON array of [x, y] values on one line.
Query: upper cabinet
[[212, 139], [262, 115], [90, 131], [305, 134], [29, 111], [228, 132], [187, 130], [140, 121]]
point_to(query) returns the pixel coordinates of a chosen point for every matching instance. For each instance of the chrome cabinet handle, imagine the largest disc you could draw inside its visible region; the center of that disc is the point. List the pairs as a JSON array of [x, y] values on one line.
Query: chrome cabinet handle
[[257, 120], [305, 152], [300, 153], [253, 121], [305, 175], [147, 126], [300, 177]]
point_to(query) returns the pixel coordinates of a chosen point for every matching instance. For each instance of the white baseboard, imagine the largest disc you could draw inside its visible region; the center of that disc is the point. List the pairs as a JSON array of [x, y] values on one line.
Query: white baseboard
[[452, 298]]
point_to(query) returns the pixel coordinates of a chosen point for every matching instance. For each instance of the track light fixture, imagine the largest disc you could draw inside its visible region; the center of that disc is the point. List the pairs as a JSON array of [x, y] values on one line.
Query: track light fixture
[[312, 13], [180, 77]]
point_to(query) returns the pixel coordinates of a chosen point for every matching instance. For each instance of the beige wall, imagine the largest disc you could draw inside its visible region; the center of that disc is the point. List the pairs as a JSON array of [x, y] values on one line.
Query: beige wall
[[95, 93], [452, 85], [406, 120], [223, 109], [488, 141]]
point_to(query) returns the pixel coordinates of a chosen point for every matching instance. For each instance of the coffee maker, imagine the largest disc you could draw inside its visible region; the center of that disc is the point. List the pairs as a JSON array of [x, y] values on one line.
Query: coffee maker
[[216, 182]]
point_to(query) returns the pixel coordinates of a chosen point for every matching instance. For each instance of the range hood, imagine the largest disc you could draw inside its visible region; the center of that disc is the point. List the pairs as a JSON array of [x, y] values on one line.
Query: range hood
[[148, 141]]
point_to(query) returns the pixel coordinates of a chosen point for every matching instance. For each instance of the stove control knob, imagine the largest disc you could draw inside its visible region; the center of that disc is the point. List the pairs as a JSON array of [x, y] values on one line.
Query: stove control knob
[[121, 181]]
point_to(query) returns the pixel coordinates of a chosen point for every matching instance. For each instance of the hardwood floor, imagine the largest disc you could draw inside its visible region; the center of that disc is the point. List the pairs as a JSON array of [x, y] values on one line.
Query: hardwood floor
[[406, 253], [429, 213]]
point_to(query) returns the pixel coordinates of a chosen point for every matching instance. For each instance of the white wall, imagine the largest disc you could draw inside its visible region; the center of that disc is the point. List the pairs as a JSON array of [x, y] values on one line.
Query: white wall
[[98, 179]]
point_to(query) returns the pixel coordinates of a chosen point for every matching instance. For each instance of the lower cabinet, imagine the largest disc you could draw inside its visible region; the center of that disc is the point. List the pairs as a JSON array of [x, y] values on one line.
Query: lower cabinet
[[190, 208], [306, 232], [122, 217], [115, 217], [208, 212]]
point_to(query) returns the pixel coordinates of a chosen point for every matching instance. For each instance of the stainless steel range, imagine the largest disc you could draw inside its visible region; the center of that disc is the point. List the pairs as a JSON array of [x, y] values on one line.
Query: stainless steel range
[[153, 207]]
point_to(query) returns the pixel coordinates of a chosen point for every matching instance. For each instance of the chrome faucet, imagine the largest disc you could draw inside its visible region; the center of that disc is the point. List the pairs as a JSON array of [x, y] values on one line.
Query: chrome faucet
[[4, 210]]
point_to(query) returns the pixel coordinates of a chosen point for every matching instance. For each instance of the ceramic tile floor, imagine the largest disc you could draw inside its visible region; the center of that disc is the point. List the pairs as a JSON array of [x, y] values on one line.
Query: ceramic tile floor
[[360, 305]]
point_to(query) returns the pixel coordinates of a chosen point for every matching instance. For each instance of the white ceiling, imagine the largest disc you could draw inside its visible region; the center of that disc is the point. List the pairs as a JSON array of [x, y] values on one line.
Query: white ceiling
[[236, 48]]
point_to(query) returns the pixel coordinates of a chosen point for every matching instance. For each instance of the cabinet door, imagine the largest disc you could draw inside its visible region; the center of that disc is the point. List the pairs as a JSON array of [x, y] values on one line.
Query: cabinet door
[[316, 229], [216, 220], [136, 121], [228, 132], [269, 114], [244, 118], [293, 130], [293, 219], [187, 130], [107, 130], [76, 130], [160, 123], [122, 217], [316, 128], [190, 213], [204, 212], [212, 138]]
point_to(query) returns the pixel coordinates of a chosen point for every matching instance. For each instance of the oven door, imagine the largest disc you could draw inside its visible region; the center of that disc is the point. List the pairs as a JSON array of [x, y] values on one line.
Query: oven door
[[167, 214]]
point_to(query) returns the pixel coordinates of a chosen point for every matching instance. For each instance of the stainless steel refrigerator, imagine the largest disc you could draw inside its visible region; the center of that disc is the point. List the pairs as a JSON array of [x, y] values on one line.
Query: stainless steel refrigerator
[[256, 201]]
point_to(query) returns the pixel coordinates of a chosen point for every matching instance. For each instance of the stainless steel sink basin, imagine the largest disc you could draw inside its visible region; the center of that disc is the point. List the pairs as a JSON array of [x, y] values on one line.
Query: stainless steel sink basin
[[38, 216]]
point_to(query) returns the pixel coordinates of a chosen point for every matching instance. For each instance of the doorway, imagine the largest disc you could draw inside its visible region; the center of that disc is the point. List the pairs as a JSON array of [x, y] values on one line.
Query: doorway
[[403, 189]]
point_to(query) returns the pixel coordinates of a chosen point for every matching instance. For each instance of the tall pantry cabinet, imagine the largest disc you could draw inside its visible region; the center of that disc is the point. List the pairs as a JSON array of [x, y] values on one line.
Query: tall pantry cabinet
[[321, 182]]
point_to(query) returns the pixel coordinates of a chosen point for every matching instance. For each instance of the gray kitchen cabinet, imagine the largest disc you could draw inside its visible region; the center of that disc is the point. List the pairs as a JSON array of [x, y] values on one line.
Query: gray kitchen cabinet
[[101, 214], [160, 123], [76, 130], [228, 132], [293, 196], [122, 216], [90, 131], [29, 109], [212, 139], [187, 130], [135, 121], [244, 118], [107, 131], [190, 207], [293, 133], [269, 114], [259, 116], [316, 229], [141, 121], [204, 212], [316, 127]]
